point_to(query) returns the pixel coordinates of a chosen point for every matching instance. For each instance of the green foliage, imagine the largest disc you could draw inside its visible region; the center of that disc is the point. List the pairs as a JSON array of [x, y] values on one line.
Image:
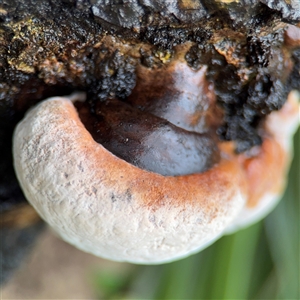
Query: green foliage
[[108, 285]]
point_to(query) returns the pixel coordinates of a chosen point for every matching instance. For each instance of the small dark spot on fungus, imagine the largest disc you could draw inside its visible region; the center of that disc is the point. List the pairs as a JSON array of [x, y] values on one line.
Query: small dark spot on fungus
[[128, 195], [113, 197]]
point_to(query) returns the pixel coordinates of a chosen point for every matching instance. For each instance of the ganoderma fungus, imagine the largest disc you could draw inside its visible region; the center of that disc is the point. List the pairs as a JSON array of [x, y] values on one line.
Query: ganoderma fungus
[[104, 205], [109, 207]]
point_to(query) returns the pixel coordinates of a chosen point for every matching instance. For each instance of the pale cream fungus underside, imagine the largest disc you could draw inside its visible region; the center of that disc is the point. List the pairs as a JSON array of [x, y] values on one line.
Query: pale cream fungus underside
[[106, 206]]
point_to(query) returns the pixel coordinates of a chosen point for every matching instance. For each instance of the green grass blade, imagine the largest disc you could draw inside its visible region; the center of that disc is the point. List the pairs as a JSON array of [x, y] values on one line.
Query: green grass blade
[[282, 227]]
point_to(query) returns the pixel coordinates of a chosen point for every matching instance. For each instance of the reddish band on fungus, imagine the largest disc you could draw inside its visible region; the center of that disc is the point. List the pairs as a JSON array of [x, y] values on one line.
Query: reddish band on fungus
[[106, 206]]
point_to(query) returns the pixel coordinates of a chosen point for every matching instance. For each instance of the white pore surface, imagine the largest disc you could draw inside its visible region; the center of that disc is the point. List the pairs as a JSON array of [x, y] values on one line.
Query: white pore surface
[[251, 215], [93, 212]]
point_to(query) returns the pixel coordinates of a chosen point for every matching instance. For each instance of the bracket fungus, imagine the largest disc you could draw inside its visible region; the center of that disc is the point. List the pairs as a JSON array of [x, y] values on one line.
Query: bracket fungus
[[180, 132], [106, 206]]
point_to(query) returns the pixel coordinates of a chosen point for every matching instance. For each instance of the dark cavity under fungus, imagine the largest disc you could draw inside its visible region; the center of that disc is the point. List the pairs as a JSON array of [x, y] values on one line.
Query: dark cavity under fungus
[[164, 126], [147, 141]]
